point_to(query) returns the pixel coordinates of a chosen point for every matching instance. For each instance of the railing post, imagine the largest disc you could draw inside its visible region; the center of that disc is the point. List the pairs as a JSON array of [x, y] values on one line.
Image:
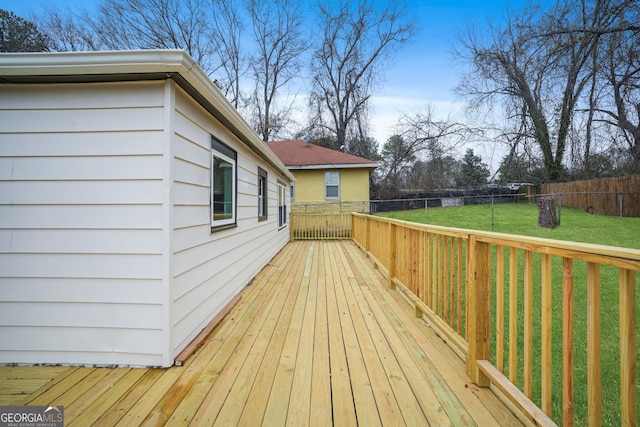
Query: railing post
[[478, 308], [367, 238], [628, 347], [291, 226], [352, 220], [392, 254], [594, 357]]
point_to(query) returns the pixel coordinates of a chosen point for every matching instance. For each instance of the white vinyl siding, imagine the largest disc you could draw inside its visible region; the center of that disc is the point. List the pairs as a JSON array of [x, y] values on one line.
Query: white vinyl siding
[[107, 256], [211, 268], [81, 208]]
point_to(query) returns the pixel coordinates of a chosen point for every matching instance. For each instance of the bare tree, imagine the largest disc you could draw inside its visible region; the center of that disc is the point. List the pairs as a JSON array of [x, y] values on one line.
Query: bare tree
[[277, 30], [158, 24], [69, 31], [355, 41], [534, 64], [621, 71], [420, 136], [227, 34]]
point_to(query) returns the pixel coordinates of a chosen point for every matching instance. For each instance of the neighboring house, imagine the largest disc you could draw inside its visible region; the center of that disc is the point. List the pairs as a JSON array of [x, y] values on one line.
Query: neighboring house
[[135, 204], [325, 179]]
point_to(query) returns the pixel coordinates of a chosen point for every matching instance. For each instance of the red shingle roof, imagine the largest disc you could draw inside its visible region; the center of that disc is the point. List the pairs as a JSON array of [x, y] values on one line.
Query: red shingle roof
[[300, 154]]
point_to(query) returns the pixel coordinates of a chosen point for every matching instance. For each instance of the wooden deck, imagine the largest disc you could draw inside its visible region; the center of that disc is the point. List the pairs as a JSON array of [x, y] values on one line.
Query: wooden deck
[[317, 339]]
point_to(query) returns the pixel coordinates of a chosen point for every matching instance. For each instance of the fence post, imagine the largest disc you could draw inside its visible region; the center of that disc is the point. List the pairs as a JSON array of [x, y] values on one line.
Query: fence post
[[478, 309], [620, 204], [560, 211], [426, 211], [492, 214]]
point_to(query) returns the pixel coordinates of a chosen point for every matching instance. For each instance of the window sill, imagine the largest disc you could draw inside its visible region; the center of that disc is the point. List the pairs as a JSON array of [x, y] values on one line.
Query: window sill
[[215, 228]]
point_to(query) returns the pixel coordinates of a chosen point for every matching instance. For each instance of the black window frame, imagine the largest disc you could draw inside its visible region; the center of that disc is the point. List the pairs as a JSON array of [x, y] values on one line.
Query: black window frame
[[225, 154], [282, 208], [263, 194]]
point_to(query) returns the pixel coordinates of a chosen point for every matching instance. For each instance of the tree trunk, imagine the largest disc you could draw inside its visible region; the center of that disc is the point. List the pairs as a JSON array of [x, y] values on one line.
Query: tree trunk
[[547, 213]]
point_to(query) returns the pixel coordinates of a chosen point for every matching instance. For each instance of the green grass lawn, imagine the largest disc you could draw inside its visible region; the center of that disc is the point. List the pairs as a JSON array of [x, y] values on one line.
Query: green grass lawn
[[575, 226], [522, 218]]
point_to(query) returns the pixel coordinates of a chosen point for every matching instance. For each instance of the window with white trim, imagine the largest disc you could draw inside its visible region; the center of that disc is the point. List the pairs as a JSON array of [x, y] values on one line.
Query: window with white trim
[[262, 194], [282, 205], [223, 185], [332, 185]]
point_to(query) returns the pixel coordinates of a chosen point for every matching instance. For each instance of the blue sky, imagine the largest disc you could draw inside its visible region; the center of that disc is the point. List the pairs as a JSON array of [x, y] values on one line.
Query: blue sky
[[421, 73]]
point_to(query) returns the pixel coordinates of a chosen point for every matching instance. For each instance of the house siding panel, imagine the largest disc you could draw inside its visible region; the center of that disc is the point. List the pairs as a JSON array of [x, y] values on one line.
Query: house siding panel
[[81, 209], [104, 290], [79, 120], [78, 144], [74, 346], [107, 256], [86, 168], [354, 184], [124, 192], [309, 186], [211, 268]]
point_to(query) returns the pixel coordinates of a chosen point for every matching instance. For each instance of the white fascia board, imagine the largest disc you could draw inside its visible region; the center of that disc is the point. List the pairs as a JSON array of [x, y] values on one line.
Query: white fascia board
[[42, 67], [335, 166], [93, 63]]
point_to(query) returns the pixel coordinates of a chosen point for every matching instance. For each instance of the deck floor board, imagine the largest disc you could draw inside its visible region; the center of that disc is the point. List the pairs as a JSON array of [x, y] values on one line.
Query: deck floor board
[[317, 339]]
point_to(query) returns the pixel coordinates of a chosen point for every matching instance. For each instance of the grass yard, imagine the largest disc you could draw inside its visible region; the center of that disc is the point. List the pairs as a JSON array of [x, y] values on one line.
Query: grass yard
[[575, 226], [522, 218]]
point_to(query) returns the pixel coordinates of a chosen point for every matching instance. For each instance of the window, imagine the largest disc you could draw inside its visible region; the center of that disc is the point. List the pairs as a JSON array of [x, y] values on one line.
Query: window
[[262, 194], [282, 205], [223, 185], [332, 185]]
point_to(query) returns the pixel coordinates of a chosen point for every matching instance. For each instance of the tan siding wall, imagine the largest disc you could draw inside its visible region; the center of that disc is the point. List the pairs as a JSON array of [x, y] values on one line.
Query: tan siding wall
[[354, 191], [354, 184], [309, 186]]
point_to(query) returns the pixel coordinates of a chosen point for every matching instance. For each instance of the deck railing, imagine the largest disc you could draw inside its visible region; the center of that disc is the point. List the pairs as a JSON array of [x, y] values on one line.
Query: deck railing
[[536, 318], [320, 226]]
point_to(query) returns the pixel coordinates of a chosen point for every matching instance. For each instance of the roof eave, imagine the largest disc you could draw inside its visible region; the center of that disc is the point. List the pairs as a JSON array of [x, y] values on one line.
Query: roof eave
[[74, 67], [334, 166]]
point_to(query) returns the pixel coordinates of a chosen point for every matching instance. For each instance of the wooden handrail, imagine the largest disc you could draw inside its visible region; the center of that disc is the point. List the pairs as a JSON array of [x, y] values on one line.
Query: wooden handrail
[[457, 275]]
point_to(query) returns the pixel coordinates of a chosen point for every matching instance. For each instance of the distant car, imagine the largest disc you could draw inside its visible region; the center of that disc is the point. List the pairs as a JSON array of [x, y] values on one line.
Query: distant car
[[515, 186]]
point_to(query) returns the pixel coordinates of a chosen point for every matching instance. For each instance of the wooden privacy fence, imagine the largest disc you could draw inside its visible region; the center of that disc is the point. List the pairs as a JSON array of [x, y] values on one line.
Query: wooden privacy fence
[[608, 196], [551, 324]]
